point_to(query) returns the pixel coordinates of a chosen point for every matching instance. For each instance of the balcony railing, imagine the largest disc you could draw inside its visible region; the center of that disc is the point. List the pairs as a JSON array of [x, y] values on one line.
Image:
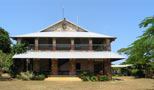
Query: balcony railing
[[99, 47], [63, 46], [81, 46], [45, 47], [95, 47], [40, 47]]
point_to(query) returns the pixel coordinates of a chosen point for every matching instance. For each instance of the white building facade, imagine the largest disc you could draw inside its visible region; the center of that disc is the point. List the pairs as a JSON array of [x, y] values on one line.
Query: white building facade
[[66, 49]]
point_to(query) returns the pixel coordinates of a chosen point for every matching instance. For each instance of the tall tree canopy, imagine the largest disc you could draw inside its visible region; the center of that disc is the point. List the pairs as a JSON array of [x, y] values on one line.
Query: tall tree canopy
[[5, 41], [141, 51], [5, 61], [7, 51]]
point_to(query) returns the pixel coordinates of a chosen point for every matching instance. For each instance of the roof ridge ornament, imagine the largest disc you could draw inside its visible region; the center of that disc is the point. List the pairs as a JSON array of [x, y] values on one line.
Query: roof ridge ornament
[[64, 26]]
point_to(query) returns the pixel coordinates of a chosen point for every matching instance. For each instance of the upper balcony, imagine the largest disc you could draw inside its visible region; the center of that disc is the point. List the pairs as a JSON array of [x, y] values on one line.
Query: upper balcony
[[60, 44], [80, 47]]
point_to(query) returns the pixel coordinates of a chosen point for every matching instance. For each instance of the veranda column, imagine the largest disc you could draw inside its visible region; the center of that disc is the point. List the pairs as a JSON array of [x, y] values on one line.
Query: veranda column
[[54, 66], [108, 44], [36, 63], [72, 44], [72, 68], [90, 44], [54, 44], [27, 64], [107, 62], [36, 43], [107, 68], [90, 65]]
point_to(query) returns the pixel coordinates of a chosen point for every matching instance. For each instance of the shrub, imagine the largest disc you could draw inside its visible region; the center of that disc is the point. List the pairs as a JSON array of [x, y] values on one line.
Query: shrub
[[39, 77], [87, 76], [84, 78], [25, 75], [137, 73], [42, 73], [134, 71], [103, 78], [30, 76], [93, 78]]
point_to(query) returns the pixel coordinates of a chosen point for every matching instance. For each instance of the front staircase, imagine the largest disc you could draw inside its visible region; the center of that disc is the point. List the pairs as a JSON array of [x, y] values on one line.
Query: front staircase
[[62, 78]]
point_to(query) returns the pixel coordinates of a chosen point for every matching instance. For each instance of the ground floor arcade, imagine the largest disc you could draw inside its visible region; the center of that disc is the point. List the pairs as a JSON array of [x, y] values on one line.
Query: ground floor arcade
[[64, 66]]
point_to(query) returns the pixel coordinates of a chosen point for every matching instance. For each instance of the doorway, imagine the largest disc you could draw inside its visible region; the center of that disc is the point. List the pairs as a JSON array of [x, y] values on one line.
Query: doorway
[[63, 66], [98, 67]]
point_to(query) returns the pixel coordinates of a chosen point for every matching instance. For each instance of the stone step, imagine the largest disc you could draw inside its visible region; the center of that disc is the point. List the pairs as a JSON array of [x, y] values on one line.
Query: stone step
[[63, 78]]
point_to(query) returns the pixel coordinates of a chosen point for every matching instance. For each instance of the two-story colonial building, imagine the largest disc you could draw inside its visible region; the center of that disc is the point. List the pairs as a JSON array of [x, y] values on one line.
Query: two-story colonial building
[[65, 49]]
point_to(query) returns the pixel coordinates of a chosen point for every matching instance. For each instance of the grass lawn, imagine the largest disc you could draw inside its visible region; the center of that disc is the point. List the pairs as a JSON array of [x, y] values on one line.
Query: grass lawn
[[126, 83]]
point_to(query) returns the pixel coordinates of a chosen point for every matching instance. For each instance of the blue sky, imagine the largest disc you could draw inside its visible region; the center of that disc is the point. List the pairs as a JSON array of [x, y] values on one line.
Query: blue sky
[[118, 18]]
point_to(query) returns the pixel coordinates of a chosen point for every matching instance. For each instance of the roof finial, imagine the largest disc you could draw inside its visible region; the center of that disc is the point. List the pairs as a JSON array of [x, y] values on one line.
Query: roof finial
[[64, 18]]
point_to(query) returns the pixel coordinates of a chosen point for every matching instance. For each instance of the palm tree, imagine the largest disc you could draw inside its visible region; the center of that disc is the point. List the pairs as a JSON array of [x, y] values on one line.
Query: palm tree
[[141, 51], [147, 21]]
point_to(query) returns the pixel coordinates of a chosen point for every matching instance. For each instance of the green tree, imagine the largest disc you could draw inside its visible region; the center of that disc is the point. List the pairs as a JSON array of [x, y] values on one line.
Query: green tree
[[19, 48], [7, 51], [5, 62], [5, 41], [141, 52]]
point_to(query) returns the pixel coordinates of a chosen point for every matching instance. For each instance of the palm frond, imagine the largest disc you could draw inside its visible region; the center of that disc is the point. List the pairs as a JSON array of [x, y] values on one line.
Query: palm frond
[[147, 21]]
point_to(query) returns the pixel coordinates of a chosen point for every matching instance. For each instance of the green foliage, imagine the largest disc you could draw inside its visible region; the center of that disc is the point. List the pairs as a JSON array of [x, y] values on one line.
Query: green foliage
[[25, 75], [147, 21], [5, 42], [5, 61], [6, 51], [19, 48], [87, 76], [137, 73], [93, 78], [39, 77], [30, 76], [103, 78], [141, 52]]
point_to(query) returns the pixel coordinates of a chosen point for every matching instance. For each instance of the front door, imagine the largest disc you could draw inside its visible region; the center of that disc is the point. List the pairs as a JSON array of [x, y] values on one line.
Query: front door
[[63, 66]]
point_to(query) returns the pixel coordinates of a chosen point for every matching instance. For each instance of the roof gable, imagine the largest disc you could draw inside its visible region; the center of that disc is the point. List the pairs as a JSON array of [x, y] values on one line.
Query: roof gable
[[64, 26]]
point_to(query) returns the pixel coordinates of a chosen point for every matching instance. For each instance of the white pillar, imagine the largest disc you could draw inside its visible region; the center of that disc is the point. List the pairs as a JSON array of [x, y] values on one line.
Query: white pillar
[[36, 43], [54, 44], [90, 44], [72, 44]]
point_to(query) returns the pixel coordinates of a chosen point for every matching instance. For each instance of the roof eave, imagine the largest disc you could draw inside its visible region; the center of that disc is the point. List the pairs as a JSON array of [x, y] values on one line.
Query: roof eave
[[14, 37]]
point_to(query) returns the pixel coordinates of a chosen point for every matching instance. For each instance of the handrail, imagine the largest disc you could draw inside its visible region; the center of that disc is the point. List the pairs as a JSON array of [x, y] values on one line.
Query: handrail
[[69, 44], [96, 47]]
